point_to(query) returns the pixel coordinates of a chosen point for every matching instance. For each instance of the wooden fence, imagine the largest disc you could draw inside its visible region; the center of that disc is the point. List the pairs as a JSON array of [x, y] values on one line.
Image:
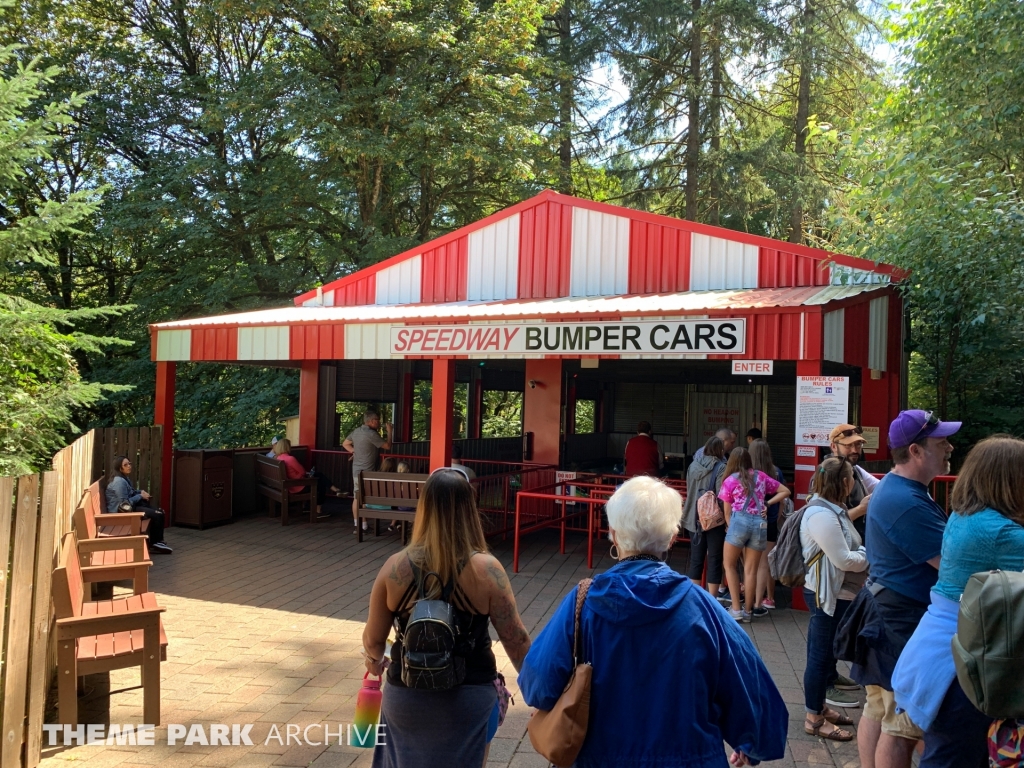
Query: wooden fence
[[35, 513]]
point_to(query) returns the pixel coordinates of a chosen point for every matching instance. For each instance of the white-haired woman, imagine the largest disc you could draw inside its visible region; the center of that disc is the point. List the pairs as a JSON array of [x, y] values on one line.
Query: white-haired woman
[[652, 636]]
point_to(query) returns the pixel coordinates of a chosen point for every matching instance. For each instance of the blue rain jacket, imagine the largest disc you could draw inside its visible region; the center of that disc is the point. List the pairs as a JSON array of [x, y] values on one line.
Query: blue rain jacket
[[674, 675]]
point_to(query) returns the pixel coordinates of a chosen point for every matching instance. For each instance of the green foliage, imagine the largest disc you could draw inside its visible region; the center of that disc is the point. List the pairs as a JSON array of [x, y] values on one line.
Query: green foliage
[[503, 414], [585, 416], [40, 385], [937, 191], [230, 406]]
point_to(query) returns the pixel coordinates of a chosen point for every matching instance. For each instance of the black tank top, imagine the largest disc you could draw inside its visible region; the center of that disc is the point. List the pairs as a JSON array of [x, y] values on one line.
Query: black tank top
[[473, 641]]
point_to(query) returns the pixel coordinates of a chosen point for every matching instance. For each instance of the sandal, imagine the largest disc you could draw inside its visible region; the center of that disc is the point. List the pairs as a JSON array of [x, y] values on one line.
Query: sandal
[[837, 718], [836, 734]]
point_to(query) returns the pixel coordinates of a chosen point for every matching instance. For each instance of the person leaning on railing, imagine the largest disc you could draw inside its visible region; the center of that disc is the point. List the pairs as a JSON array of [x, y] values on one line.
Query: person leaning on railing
[[673, 675]]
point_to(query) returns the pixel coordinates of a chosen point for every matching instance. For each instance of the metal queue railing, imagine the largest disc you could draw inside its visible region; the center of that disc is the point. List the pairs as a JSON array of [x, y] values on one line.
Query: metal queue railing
[[552, 506]]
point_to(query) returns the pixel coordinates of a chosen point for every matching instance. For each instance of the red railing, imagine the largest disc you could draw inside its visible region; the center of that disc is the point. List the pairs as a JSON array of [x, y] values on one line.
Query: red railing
[[549, 505], [551, 509]]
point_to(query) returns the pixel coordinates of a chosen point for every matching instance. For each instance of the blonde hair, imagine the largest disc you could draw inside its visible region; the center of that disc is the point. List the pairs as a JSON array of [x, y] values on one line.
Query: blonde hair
[[284, 445], [447, 529], [387, 464], [645, 515], [403, 466]]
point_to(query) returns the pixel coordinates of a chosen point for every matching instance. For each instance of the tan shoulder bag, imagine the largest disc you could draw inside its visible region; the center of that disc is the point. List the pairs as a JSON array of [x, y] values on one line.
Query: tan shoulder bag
[[558, 735]]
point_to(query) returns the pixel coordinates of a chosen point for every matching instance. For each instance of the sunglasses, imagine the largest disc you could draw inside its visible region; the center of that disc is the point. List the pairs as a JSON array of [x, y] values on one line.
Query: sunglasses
[[458, 470], [931, 421], [851, 432]]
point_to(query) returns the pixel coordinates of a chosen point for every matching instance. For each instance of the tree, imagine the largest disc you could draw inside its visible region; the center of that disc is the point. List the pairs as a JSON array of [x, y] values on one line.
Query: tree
[[40, 386], [936, 190]]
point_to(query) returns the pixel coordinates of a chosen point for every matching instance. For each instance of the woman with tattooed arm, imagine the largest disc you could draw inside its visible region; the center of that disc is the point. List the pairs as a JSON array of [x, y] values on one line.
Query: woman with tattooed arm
[[450, 727]]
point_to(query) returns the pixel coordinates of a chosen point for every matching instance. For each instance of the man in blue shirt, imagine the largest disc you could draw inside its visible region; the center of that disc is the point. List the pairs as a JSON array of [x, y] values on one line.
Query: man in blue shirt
[[903, 541]]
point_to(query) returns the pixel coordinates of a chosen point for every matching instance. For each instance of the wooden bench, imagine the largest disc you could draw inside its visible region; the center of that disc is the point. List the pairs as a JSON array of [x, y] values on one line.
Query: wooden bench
[[273, 483], [109, 524], [102, 636], [388, 490], [116, 558]]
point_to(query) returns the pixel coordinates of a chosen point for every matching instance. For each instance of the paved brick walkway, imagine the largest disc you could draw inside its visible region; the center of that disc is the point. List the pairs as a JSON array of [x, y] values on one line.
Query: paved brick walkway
[[265, 623]]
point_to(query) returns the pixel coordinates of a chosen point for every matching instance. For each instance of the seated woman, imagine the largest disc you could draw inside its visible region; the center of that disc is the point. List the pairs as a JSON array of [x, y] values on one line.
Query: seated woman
[[838, 570], [121, 491], [985, 532], [451, 727], [673, 675], [295, 470]]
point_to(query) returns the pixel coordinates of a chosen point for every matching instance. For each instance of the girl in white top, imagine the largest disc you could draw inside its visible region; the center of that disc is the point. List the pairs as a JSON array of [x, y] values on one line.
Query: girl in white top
[[836, 570]]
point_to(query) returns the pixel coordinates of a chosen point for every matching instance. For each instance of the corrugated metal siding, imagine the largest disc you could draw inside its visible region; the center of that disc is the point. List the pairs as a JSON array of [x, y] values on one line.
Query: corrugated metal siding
[[691, 302], [174, 345], [855, 335], [444, 272], [659, 258], [811, 336], [266, 342], [368, 341], [878, 333], [781, 269], [716, 263], [401, 283], [600, 254], [372, 381], [318, 342], [545, 238], [773, 337], [214, 344], [357, 293], [493, 261], [834, 332]]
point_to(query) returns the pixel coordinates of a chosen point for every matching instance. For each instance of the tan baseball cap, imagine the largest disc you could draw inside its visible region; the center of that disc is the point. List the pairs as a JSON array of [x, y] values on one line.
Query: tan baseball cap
[[846, 434]]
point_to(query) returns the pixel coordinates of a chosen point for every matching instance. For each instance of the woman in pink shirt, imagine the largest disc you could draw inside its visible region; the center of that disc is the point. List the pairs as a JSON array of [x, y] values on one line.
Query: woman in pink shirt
[[746, 517], [294, 469]]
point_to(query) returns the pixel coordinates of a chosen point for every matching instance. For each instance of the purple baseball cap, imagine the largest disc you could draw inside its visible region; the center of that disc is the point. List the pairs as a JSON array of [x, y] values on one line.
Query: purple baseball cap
[[910, 426]]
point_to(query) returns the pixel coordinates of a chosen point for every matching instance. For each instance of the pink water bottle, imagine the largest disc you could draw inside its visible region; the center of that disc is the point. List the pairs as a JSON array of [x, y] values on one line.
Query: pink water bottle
[[364, 729]]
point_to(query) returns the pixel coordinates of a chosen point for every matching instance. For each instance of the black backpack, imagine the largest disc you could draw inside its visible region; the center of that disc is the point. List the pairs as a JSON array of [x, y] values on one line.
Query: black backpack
[[430, 640]]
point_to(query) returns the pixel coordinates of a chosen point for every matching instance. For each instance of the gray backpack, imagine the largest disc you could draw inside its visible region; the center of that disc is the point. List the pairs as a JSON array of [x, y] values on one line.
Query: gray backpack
[[988, 646], [786, 562]]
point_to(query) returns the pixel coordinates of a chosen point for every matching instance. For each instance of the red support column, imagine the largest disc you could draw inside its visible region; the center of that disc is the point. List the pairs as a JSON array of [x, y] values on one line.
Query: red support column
[[309, 384], [874, 408], [805, 464], [542, 409], [441, 407], [163, 416]]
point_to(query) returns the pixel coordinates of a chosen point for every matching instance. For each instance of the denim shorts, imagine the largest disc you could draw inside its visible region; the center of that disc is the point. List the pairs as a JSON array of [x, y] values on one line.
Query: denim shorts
[[749, 531]]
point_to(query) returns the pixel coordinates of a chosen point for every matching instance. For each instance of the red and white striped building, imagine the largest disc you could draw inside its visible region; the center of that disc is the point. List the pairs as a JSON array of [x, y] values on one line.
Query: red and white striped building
[[531, 284]]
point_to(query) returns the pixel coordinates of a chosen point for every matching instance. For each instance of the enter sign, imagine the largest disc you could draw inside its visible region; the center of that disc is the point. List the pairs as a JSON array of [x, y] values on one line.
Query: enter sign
[[752, 367]]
